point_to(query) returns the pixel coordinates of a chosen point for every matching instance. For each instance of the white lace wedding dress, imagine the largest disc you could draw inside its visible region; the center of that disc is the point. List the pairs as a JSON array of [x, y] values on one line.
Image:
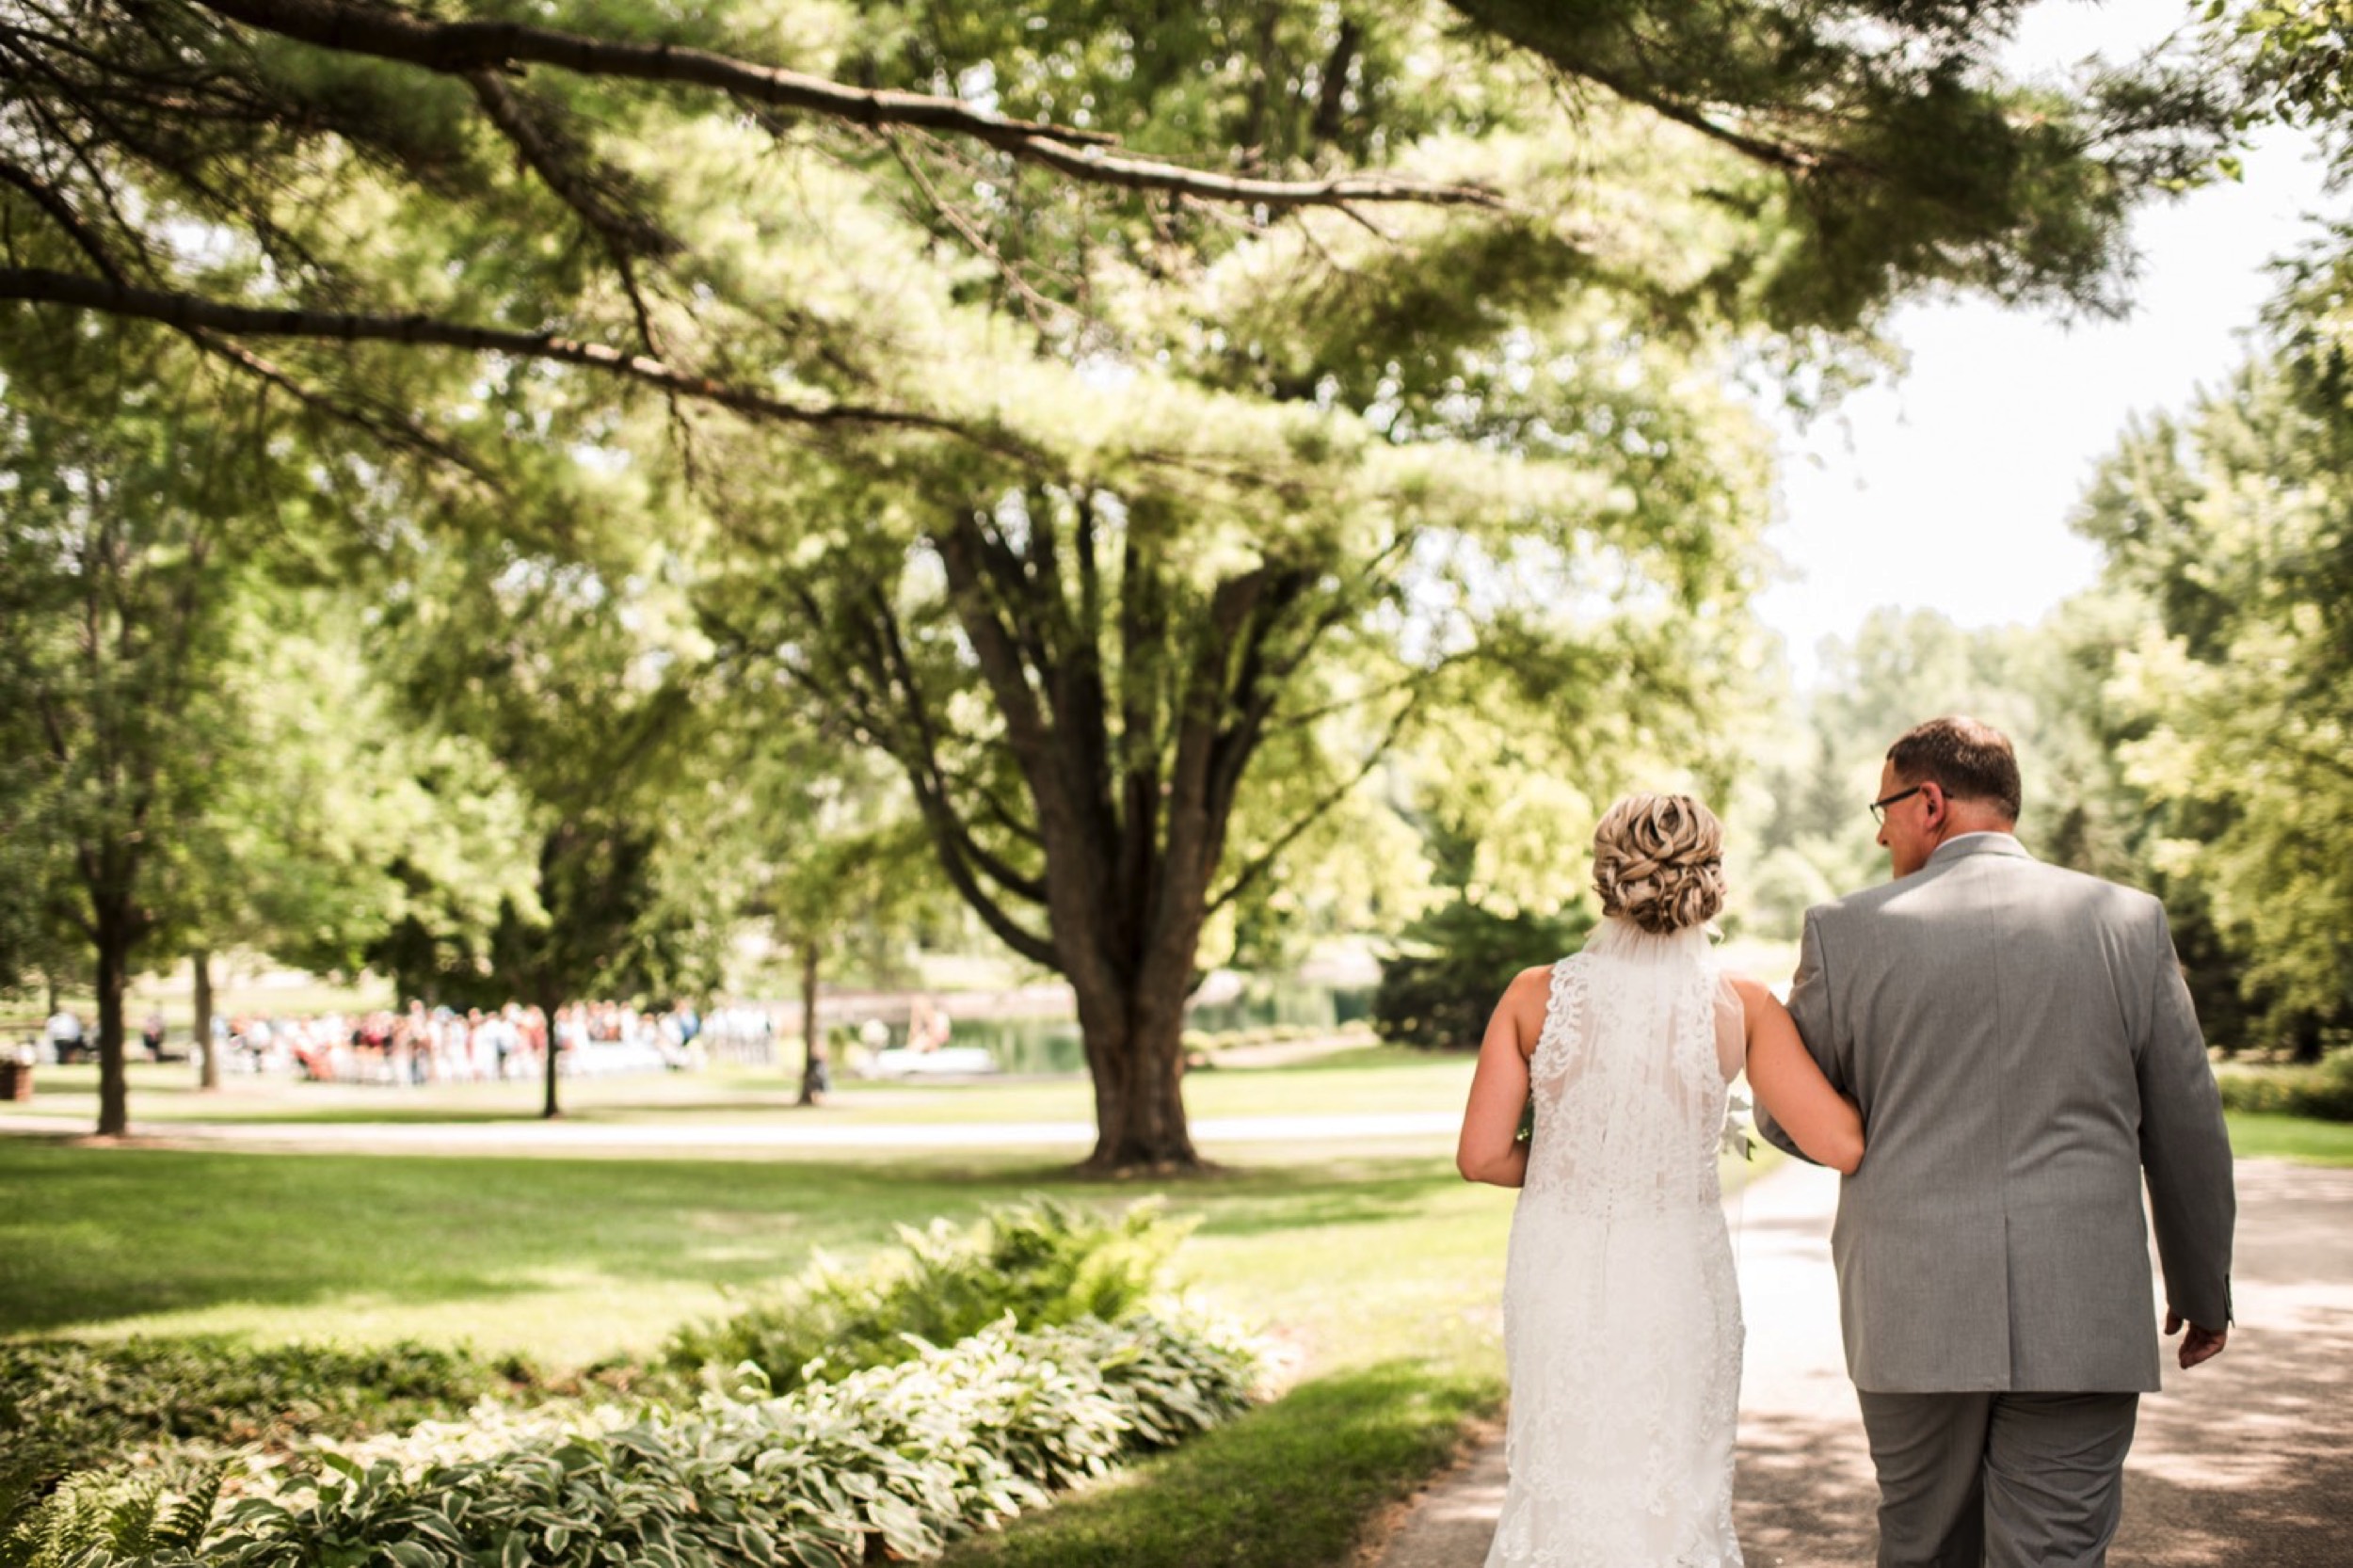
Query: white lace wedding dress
[[1620, 1306]]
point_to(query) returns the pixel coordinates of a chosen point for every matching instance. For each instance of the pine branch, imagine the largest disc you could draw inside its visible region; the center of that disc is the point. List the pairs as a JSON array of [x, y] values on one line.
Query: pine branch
[[192, 313], [53, 201], [551, 155], [460, 48]]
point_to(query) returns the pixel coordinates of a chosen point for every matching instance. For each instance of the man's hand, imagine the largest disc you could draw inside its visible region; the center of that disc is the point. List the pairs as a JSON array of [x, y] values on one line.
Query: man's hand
[[2199, 1344]]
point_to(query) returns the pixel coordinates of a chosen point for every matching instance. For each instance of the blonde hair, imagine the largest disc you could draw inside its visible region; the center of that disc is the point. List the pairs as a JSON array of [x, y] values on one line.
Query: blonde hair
[[1658, 861]]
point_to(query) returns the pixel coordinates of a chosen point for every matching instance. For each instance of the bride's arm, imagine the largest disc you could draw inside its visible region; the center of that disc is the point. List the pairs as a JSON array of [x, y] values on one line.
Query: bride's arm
[[1490, 1149], [1826, 1125]]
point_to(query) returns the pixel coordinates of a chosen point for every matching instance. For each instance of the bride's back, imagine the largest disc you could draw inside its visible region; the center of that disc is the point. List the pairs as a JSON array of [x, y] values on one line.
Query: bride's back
[[1641, 1036]]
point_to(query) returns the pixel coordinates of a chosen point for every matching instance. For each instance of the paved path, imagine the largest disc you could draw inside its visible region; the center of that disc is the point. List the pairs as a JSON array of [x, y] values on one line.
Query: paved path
[[2246, 1463], [526, 1135]]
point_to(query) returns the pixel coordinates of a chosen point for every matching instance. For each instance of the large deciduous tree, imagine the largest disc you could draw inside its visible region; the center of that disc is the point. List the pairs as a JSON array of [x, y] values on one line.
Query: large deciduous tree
[[1189, 406], [573, 672], [143, 511], [2225, 531], [2229, 526]]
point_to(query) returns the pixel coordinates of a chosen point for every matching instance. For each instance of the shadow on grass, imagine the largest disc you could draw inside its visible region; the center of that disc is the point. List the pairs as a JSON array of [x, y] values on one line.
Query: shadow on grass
[[91, 1235], [1292, 1484], [1346, 1192], [99, 1236]]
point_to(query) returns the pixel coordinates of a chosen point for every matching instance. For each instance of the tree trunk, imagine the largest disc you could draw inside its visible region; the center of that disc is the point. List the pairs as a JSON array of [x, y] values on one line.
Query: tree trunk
[[810, 1044], [1135, 1050], [548, 1002], [114, 958], [2309, 1045], [1131, 830], [209, 1054]]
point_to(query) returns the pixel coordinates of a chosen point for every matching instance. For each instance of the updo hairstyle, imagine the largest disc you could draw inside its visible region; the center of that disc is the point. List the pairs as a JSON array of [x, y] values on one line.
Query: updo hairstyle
[[1658, 861]]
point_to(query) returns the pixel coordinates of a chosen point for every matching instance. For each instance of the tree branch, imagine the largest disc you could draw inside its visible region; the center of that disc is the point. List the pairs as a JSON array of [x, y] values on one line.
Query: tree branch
[[1307, 717], [391, 426], [931, 784], [51, 201], [456, 48], [1033, 304], [192, 313], [1251, 873], [998, 656], [549, 154], [1329, 103], [1028, 943]]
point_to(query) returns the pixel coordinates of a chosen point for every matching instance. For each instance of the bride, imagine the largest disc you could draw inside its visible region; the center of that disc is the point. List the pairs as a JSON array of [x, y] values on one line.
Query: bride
[[1621, 1310]]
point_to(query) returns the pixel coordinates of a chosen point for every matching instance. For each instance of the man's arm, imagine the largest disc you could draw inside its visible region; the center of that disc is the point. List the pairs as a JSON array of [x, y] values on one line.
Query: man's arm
[[1810, 1007], [2186, 1154]]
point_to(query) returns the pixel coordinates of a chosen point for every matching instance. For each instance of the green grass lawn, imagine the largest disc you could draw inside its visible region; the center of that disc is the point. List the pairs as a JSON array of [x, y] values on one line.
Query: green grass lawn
[[1367, 1078], [1347, 1255], [2298, 1138], [1371, 1268], [1373, 1272]]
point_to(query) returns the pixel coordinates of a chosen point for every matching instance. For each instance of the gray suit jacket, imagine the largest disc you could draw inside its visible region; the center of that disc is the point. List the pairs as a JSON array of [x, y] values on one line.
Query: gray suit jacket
[[2024, 1051]]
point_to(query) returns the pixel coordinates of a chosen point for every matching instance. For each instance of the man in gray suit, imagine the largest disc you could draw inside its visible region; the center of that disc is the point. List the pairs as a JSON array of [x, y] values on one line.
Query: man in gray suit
[[2025, 1053]]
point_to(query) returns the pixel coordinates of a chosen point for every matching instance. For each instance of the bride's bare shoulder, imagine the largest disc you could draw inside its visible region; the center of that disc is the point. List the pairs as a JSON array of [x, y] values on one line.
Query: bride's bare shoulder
[[1531, 991], [1535, 982], [1525, 1002]]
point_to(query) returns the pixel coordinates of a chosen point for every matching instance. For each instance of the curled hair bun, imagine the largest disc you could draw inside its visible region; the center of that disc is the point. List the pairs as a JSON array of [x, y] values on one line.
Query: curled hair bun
[[1658, 861]]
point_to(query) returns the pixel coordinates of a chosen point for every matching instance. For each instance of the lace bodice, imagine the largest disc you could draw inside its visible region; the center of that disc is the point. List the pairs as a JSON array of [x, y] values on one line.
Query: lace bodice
[[1630, 1074]]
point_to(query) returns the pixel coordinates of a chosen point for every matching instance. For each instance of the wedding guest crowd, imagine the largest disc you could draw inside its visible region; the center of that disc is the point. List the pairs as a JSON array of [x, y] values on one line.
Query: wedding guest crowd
[[419, 1045]]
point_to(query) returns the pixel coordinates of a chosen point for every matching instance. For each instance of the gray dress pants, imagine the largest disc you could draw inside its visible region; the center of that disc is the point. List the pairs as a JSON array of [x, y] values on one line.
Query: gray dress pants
[[1998, 1481]]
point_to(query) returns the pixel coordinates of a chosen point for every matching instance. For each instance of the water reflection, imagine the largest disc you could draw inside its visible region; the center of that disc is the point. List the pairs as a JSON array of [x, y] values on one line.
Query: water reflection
[[1051, 1044]]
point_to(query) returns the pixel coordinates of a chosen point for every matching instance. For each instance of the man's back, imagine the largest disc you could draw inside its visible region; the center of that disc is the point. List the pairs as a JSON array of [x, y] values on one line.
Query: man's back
[[2020, 1044]]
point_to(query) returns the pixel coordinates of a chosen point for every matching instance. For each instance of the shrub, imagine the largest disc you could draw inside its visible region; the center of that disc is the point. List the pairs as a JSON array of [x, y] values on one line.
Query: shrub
[[65, 1405], [2324, 1093], [1438, 991], [1040, 1261], [898, 1459]]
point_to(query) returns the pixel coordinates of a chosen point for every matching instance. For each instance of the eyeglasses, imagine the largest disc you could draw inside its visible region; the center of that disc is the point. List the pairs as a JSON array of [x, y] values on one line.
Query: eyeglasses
[[1879, 806]]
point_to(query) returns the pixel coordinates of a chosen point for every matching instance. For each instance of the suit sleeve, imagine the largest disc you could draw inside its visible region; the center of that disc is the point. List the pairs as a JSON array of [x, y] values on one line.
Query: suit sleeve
[[1810, 1007], [2184, 1149]]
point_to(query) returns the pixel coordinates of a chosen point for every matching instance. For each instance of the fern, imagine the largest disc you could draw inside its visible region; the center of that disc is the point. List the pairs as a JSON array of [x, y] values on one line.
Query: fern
[[182, 1528], [71, 1528], [101, 1521]]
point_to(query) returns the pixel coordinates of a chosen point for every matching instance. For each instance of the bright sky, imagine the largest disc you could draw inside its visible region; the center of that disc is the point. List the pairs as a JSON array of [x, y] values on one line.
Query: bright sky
[[1949, 487]]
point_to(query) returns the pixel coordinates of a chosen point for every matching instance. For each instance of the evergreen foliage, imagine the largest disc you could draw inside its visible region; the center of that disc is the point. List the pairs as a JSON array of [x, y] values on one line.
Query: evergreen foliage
[[2228, 523], [1437, 991]]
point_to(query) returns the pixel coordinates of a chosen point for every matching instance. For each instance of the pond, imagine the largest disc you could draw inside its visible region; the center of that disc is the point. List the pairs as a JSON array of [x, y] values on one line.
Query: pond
[[1051, 1044]]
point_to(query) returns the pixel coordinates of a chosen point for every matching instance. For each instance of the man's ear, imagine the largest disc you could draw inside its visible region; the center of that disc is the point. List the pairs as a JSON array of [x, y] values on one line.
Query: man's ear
[[1934, 803]]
